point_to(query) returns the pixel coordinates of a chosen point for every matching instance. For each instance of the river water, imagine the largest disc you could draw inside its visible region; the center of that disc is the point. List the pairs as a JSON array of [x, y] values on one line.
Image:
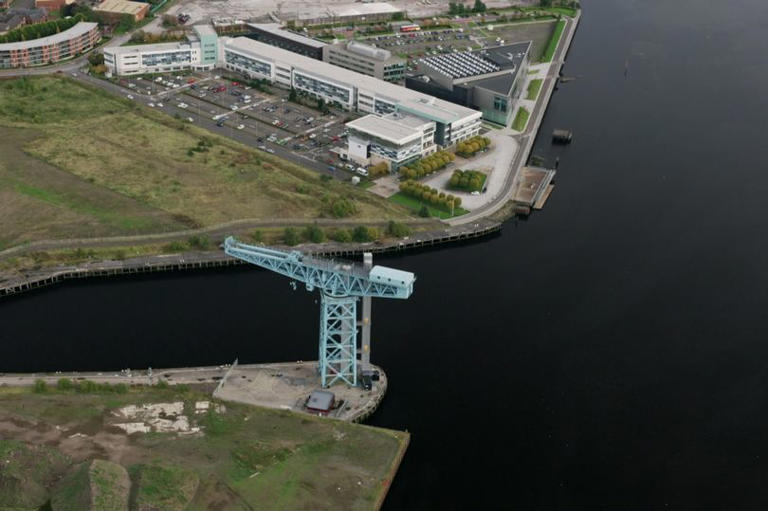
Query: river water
[[609, 353]]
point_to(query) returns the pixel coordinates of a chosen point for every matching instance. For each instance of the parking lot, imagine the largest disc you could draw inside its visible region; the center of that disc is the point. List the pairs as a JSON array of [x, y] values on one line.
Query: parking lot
[[268, 117]]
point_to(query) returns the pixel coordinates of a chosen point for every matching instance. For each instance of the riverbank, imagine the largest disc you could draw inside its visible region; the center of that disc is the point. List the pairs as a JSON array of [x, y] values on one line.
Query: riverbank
[[17, 282]]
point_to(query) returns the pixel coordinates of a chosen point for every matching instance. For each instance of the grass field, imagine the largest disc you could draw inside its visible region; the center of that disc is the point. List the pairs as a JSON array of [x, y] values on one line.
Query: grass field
[[533, 88], [521, 119], [245, 457], [415, 206], [553, 41], [76, 162]]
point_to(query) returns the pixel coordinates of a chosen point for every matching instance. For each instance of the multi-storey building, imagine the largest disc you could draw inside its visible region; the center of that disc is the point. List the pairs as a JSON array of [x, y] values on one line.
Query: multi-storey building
[[47, 50], [396, 139], [347, 89], [275, 35], [200, 51], [366, 59]]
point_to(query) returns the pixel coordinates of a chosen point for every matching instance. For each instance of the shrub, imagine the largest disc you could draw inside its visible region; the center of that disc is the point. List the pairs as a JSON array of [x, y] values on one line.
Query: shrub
[[342, 208], [290, 236], [397, 229], [64, 384], [314, 234], [39, 387], [362, 234], [257, 236], [121, 388], [202, 242], [341, 235], [424, 212]]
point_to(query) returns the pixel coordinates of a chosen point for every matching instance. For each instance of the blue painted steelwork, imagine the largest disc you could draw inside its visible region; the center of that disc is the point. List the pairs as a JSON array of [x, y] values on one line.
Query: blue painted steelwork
[[340, 285]]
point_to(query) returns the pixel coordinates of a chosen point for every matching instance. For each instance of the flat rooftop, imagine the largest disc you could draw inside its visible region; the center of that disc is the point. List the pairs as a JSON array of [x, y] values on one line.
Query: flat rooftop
[[205, 30], [148, 48], [79, 29], [121, 6], [355, 9], [277, 30], [416, 102], [385, 128]]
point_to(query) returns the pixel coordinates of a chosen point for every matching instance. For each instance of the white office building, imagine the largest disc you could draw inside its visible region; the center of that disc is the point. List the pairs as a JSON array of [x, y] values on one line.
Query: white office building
[[397, 139], [347, 89], [198, 52]]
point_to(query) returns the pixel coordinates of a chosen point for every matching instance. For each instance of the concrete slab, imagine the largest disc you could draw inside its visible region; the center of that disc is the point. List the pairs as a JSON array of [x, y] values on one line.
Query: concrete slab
[[287, 386]]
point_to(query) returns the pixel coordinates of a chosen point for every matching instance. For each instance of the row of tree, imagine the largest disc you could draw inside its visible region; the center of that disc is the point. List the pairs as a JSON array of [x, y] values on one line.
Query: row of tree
[[427, 166], [469, 147], [38, 30], [469, 180], [458, 8], [429, 195]]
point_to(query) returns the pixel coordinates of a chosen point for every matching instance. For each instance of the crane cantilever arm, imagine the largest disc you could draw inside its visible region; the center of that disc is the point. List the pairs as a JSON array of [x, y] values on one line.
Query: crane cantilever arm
[[331, 277]]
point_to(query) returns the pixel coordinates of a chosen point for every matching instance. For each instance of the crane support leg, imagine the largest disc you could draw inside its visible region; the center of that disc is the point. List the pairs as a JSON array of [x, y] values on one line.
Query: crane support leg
[[365, 342], [338, 340]]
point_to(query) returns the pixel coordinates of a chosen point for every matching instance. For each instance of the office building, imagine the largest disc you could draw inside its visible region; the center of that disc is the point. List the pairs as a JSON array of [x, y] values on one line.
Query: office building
[[488, 80], [273, 34], [397, 139], [366, 59], [346, 89], [47, 50], [199, 52]]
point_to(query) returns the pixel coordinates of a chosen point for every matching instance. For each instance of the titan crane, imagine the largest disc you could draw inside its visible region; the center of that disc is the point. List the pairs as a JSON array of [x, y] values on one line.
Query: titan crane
[[341, 285]]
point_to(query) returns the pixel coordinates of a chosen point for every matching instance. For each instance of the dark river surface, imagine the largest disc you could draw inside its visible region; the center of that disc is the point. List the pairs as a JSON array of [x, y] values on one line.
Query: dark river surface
[[609, 353]]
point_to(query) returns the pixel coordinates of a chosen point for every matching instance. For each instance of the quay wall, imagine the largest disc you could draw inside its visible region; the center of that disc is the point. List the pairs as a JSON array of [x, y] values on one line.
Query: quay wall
[[11, 285]]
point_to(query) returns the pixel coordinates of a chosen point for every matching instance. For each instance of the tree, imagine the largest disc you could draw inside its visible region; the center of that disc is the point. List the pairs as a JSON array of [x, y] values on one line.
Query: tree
[[479, 6], [40, 386], [64, 384], [257, 236], [424, 212], [290, 236], [342, 208], [292, 95]]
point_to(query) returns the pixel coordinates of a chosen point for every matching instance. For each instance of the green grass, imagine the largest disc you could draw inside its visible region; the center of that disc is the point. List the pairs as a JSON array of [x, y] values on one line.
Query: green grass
[[533, 88], [78, 162], [415, 205], [246, 457], [553, 42], [521, 119]]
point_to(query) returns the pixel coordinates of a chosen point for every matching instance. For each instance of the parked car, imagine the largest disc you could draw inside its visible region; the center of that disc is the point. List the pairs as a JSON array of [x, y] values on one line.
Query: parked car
[[362, 171], [240, 126]]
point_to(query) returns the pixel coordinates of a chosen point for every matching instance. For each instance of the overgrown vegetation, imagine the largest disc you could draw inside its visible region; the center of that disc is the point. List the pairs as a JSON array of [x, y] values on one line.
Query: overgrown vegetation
[[66, 171]]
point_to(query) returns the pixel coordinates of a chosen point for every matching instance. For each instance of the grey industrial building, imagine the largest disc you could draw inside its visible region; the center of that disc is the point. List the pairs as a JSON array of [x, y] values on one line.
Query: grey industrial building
[[366, 59], [488, 80], [274, 35]]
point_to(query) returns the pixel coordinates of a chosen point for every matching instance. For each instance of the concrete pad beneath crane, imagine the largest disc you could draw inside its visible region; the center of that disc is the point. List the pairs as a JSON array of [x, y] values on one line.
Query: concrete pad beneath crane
[[287, 386]]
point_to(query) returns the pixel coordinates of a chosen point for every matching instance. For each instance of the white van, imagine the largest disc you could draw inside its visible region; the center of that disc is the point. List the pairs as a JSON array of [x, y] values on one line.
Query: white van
[[362, 171]]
